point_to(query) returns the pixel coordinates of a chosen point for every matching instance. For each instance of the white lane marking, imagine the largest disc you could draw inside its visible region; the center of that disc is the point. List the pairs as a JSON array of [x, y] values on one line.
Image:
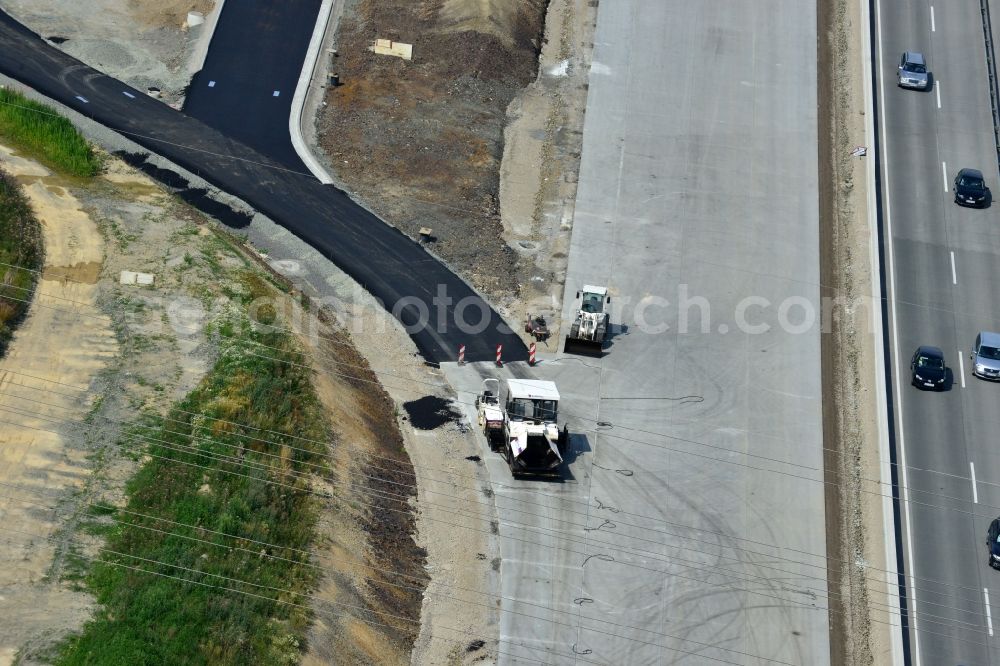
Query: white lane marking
[[937, 91], [954, 276], [128, 94], [944, 174], [82, 99], [989, 615], [932, 19], [276, 93], [911, 589], [975, 493], [961, 367], [211, 84]]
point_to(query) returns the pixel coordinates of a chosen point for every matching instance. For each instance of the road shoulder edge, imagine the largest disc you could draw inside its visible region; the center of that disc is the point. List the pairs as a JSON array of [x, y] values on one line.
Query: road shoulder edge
[[881, 376], [307, 78]]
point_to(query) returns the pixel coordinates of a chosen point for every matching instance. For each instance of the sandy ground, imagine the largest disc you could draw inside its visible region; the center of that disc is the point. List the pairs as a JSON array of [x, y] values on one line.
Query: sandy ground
[[475, 138], [531, 174], [138, 349], [860, 624], [542, 134], [142, 42], [463, 564], [541, 160], [65, 340]]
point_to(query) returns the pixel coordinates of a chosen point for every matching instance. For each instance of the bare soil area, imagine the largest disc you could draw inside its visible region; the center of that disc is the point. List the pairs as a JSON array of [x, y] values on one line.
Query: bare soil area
[[860, 624], [459, 617], [476, 138], [420, 141], [145, 43], [93, 353], [66, 341]]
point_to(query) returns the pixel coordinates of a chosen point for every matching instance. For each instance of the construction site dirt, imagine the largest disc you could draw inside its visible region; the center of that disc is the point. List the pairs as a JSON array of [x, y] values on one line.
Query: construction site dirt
[[425, 143]]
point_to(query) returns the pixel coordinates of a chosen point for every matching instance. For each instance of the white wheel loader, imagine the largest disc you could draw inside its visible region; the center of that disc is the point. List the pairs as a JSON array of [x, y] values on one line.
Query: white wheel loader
[[590, 327]]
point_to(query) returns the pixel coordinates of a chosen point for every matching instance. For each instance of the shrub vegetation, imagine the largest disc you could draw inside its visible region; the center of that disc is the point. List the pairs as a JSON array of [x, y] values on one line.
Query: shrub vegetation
[[21, 256], [171, 593]]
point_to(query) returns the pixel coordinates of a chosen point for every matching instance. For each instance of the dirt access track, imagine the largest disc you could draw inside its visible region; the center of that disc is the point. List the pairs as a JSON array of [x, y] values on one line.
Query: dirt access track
[[54, 348], [859, 579]]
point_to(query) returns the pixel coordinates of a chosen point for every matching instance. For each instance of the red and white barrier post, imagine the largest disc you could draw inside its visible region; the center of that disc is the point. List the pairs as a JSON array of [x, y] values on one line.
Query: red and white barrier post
[[461, 354], [531, 354], [499, 353]]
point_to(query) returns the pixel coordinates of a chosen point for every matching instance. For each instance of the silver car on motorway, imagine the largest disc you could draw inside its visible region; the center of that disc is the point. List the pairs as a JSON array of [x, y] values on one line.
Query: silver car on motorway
[[986, 355], [912, 71]]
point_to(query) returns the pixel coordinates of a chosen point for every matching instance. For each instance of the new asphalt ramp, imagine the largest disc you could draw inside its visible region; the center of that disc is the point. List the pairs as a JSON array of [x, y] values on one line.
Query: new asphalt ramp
[[439, 310]]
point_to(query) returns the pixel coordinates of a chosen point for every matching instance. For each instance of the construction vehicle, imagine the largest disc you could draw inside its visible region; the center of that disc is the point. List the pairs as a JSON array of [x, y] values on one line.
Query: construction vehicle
[[537, 327], [590, 327], [491, 414], [532, 441]]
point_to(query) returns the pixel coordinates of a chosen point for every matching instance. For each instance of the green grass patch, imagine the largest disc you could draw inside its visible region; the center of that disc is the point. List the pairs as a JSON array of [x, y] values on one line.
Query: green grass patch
[[47, 136], [21, 254], [170, 608]]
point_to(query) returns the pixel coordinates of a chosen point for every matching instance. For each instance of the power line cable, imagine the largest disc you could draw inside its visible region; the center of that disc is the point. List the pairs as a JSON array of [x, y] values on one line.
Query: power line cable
[[881, 483], [384, 613], [380, 581], [436, 385], [202, 453], [634, 552], [96, 560], [689, 548]]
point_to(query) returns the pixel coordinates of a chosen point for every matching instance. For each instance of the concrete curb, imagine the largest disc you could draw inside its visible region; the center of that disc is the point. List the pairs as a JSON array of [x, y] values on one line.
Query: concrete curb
[[881, 398], [302, 89], [200, 54]]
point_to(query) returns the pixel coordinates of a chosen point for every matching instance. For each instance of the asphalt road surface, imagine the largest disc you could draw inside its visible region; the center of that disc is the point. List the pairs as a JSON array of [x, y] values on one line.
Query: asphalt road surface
[[944, 268], [411, 284], [246, 85], [689, 528]]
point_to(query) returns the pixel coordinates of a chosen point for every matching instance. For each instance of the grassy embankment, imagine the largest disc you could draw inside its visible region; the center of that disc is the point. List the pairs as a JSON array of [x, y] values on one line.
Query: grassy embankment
[[174, 594], [45, 135], [41, 132], [184, 575]]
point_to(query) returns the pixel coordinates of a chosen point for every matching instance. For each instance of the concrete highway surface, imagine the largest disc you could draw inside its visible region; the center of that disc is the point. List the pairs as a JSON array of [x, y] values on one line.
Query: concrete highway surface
[[943, 266], [411, 283], [246, 85], [689, 528]]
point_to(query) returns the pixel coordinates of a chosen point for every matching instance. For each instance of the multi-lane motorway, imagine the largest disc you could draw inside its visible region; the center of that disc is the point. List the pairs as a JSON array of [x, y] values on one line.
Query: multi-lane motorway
[[943, 268]]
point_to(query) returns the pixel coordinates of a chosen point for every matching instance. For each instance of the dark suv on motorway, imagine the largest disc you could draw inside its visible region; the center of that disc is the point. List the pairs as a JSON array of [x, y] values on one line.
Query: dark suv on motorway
[[993, 543], [970, 189], [928, 368]]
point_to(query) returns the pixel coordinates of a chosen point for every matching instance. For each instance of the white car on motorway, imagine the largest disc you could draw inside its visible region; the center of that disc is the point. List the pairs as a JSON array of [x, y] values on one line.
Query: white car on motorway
[[912, 71], [986, 355]]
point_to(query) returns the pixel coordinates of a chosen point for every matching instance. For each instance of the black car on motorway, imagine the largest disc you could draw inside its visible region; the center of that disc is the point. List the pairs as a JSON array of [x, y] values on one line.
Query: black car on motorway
[[928, 368], [993, 543], [970, 189]]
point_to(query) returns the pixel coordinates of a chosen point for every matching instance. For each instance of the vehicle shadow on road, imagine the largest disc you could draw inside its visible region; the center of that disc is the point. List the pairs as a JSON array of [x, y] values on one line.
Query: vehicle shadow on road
[[579, 444], [949, 380], [615, 331]]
